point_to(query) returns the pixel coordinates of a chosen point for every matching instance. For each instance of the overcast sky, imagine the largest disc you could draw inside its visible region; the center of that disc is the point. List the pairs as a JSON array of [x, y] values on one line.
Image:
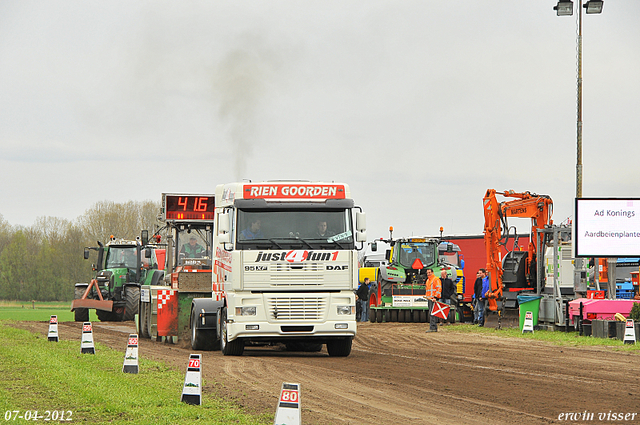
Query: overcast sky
[[420, 106]]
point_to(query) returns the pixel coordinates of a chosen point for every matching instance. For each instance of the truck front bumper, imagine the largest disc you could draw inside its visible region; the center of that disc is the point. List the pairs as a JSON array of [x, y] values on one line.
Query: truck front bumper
[[266, 331]]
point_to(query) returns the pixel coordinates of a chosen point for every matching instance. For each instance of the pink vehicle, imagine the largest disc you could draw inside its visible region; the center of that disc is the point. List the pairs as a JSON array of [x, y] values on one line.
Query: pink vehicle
[[599, 309]]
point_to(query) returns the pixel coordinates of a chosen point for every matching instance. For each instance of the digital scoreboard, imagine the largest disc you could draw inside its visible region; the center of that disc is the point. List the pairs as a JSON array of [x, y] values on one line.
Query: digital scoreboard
[[187, 207]]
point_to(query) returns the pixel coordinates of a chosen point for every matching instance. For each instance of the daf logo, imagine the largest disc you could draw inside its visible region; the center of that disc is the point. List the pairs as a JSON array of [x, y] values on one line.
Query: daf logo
[[345, 267]]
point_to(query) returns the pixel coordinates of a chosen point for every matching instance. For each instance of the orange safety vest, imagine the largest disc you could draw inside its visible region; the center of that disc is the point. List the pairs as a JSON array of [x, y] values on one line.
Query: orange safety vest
[[434, 287]]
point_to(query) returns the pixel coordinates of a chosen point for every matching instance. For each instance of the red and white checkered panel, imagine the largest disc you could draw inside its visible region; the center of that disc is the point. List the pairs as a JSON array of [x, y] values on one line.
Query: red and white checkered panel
[[164, 295]]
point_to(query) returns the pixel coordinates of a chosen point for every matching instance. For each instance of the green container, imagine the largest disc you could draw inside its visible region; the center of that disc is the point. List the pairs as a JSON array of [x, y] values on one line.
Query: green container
[[529, 303]]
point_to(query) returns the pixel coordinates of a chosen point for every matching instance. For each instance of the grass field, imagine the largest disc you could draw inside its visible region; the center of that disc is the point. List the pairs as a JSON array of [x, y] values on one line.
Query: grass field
[[39, 311], [42, 375], [560, 338]]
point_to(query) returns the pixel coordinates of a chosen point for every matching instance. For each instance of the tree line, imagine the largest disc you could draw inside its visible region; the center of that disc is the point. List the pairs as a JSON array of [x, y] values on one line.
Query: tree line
[[44, 261]]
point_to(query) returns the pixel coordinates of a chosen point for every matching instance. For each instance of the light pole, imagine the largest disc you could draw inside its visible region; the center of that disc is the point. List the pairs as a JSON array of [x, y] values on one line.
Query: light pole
[[565, 8]]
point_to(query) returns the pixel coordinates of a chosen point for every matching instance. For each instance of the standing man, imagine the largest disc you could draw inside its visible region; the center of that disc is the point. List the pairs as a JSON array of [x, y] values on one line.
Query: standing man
[[363, 297], [448, 289], [477, 294], [486, 291], [434, 293]]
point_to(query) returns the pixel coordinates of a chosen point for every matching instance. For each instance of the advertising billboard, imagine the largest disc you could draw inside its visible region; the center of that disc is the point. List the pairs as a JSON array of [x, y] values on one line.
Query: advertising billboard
[[607, 227]]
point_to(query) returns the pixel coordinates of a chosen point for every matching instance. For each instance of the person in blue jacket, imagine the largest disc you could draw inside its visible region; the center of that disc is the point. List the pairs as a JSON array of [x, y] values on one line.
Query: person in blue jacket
[[484, 293]]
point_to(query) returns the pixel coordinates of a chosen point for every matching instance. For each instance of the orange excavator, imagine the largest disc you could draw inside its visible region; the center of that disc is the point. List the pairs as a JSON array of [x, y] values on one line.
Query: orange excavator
[[517, 272]]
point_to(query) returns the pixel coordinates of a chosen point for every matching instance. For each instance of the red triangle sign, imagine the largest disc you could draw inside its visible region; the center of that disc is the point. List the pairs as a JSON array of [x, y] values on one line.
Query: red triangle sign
[[417, 264]]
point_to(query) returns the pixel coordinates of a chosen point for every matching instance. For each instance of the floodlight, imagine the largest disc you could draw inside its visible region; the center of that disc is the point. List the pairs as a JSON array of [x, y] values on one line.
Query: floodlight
[[594, 6], [564, 8]]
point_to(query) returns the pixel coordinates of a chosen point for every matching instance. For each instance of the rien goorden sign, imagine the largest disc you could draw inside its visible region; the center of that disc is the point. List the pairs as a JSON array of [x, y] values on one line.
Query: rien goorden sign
[[294, 191]]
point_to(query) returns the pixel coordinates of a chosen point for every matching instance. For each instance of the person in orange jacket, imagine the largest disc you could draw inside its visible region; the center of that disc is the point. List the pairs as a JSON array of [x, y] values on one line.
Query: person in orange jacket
[[434, 292]]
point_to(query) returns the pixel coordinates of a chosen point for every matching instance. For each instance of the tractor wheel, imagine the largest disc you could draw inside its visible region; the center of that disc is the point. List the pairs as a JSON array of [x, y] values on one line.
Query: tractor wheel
[[339, 347], [229, 348], [372, 315], [80, 314], [105, 316], [394, 315], [132, 302]]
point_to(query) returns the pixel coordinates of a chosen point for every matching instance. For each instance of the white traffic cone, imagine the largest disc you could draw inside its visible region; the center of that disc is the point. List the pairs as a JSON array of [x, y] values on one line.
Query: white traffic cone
[[53, 329], [192, 389], [630, 332], [288, 408], [130, 364], [86, 346]]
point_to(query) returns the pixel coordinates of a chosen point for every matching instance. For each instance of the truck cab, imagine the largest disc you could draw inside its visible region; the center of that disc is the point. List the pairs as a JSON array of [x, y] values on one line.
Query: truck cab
[[285, 265]]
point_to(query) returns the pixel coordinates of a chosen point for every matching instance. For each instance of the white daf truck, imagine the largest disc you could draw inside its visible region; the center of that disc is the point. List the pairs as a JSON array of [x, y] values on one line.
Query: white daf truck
[[285, 268]]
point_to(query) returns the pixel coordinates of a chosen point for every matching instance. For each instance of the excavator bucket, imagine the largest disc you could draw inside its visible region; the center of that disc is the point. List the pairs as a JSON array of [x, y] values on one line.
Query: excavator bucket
[[501, 317]]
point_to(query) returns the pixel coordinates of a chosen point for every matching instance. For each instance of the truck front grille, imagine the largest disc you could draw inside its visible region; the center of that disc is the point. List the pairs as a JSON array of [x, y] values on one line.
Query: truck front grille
[[297, 308], [283, 275]]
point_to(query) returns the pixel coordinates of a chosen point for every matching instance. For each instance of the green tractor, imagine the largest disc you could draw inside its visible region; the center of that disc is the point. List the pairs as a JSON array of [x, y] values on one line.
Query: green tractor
[[122, 267], [398, 293]]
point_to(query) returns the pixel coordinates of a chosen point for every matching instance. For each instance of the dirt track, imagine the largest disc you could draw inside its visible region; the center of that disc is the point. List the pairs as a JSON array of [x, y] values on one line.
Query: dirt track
[[398, 374]]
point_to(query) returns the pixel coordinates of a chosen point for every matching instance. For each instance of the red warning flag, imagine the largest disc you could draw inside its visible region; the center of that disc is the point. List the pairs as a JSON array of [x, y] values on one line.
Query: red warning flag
[[440, 310]]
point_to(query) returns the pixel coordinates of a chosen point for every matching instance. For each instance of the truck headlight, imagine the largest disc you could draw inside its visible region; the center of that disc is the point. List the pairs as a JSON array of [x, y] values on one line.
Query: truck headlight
[[246, 311], [346, 309]]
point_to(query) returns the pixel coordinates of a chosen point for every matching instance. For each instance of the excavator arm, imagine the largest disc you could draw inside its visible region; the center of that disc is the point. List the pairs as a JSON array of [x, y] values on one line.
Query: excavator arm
[[539, 208]]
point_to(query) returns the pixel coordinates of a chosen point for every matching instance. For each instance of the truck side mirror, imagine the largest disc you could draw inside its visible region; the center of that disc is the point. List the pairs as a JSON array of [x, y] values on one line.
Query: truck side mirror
[[224, 224], [86, 253], [374, 246], [361, 236], [144, 237], [361, 222], [387, 255]]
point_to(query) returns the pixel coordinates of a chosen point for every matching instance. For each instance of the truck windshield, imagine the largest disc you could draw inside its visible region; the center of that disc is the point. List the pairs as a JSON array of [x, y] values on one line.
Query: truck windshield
[[121, 256], [409, 252], [293, 229]]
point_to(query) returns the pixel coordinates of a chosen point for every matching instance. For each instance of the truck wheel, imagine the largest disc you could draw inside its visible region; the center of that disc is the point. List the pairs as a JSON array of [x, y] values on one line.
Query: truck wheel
[[132, 301], [143, 319], [339, 347], [229, 348], [80, 314], [202, 339]]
